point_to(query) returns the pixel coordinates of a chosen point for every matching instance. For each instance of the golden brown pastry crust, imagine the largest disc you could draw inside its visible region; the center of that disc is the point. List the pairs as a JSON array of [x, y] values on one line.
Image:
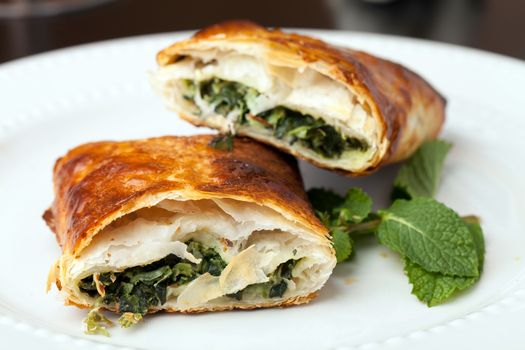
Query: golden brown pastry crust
[[408, 109], [298, 300], [99, 182]]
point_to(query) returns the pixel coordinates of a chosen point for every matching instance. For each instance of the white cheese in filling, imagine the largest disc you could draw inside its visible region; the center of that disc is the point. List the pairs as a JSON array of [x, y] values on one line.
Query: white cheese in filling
[[253, 241]]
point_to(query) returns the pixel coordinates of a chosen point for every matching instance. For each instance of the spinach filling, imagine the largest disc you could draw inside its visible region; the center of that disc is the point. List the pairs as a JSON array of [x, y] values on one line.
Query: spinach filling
[[138, 289], [227, 96], [275, 287], [141, 288]]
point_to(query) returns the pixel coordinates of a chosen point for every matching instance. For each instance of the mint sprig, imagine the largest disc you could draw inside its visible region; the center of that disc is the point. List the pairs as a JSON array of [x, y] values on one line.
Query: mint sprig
[[442, 252], [342, 215]]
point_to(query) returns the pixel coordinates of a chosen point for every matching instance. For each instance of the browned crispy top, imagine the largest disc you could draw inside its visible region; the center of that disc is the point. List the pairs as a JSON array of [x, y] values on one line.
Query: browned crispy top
[[392, 92], [97, 181]]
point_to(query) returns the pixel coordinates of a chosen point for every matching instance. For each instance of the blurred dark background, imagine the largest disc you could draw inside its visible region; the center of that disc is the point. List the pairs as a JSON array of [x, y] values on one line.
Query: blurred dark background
[[32, 26]]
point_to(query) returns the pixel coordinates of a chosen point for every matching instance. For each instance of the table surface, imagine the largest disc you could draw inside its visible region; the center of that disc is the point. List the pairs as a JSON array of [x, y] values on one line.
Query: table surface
[[493, 25]]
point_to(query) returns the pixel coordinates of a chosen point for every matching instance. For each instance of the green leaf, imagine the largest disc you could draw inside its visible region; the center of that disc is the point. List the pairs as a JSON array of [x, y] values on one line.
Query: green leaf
[[356, 206], [341, 215], [129, 319], [343, 245], [225, 96], [433, 288], [275, 115], [324, 200], [325, 217], [353, 208], [183, 269], [96, 323], [479, 241], [151, 277], [300, 132], [431, 235], [421, 173], [223, 142]]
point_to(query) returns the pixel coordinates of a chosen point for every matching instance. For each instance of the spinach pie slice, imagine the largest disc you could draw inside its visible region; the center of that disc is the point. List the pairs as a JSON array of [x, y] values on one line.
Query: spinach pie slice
[[174, 224], [338, 108]]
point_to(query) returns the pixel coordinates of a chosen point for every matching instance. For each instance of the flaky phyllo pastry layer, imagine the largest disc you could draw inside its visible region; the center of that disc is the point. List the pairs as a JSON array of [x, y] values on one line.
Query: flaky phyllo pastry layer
[[173, 224], [335, 107]]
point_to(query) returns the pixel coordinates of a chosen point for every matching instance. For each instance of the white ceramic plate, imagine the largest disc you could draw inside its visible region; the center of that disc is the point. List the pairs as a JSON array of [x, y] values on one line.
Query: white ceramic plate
[[54, 101]]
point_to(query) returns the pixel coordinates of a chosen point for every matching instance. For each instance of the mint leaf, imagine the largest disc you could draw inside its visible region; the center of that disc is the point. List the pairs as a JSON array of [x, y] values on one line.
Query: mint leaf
[[342, 215], [352, 208], [342, 243], [431, 235], [421, 173], [479, 241], [433, 288], [324, 200], [325, 217], [355, 208]]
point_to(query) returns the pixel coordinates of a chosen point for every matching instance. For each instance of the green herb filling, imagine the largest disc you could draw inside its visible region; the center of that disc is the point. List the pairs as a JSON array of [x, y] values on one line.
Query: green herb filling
[[139, 289], [275, 287], [227, 96]]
